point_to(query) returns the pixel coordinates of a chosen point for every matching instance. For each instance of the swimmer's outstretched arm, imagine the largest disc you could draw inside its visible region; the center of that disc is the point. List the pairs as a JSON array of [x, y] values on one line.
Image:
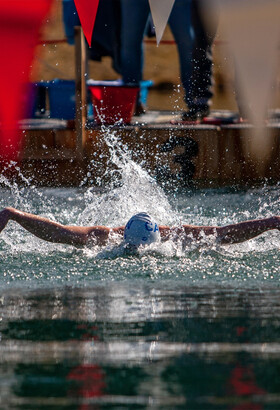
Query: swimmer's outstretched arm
[[228, 234], [244, 231], [51, 231]]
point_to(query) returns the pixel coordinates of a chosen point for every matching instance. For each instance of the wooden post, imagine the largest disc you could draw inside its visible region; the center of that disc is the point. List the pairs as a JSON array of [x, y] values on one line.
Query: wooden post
[[81, 91]]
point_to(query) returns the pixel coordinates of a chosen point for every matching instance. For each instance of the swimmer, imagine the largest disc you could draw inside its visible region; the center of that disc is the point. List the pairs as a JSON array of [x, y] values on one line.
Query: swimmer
[[140, 230]]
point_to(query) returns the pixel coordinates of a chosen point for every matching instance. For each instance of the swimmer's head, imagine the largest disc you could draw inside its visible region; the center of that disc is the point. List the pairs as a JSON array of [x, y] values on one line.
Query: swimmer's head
[[141, 230]]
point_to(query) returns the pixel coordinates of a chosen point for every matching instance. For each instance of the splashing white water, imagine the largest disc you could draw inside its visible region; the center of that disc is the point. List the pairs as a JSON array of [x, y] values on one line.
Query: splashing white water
[[130, 191], [135, 191]]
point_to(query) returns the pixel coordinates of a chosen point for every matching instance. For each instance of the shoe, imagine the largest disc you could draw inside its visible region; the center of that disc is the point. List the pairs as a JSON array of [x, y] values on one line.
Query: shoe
[[196, 113], [139, 109]]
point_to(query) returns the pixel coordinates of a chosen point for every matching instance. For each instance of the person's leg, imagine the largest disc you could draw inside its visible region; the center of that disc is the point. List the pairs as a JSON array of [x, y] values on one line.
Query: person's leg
[[181, 27], [202, 85], [134, 19]]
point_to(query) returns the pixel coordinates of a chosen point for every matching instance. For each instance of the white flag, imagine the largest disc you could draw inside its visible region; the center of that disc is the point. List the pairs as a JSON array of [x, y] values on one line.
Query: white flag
[[160, 10], [253, 32]]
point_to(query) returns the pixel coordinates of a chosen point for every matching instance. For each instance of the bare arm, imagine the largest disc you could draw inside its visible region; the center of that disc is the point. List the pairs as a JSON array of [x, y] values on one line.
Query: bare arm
[[51, 231], [244, 231], [233, 233]]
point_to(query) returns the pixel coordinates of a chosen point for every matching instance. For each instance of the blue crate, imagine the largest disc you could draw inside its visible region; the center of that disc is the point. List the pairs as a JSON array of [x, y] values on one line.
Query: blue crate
[[62, 99]]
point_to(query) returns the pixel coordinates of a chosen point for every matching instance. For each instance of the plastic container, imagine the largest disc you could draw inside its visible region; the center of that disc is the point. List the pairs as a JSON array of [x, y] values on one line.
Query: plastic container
[[112, 101], [62, 99], [144, 89]]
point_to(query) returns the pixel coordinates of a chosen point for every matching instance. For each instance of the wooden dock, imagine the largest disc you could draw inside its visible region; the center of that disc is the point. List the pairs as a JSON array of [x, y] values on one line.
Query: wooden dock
[[174, 153]]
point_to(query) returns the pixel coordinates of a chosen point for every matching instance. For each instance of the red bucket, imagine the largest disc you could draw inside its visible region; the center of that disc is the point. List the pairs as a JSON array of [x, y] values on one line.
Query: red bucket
[[113, 103]]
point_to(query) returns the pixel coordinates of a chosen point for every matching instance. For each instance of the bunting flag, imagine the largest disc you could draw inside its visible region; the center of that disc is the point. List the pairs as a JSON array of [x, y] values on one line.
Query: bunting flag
[[20, 22], [87, 10], [253, 31], [160, 10]]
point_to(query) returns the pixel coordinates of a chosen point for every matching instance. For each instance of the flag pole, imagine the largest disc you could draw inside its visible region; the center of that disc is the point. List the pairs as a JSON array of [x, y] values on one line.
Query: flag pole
[[81, 91]]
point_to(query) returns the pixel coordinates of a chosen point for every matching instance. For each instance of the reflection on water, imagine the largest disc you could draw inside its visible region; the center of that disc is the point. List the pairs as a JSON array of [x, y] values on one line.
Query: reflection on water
[[137, 346]]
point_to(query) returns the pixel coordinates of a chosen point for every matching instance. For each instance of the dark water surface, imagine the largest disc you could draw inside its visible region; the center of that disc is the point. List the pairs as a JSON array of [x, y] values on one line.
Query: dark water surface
[[135, 345]]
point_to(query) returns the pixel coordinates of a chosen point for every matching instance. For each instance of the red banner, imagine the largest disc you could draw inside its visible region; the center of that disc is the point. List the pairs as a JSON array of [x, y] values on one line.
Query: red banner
[[20, 23], [87, 10]]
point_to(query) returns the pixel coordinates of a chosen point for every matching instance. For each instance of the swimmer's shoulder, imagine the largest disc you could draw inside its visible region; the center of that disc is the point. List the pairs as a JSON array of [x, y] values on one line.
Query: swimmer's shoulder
[[99, 234]]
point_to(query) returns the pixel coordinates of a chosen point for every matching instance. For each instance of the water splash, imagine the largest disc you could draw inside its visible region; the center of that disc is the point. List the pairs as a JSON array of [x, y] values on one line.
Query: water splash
[[131, 190]]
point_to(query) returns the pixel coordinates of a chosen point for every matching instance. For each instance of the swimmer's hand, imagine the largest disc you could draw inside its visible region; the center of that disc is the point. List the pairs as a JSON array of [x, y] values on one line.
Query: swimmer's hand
[[4, 217]]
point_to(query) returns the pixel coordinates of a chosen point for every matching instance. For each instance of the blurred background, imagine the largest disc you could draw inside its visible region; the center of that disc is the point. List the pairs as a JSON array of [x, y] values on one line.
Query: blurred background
[[55, 59]]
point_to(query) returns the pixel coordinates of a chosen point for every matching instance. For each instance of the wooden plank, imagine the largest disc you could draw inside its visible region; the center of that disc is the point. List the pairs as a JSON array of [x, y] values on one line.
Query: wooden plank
[[223, 157], [203, 156]]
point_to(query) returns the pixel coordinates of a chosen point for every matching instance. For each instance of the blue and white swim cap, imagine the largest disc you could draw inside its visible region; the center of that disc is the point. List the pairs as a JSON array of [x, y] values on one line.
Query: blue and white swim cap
[[141, 230]]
